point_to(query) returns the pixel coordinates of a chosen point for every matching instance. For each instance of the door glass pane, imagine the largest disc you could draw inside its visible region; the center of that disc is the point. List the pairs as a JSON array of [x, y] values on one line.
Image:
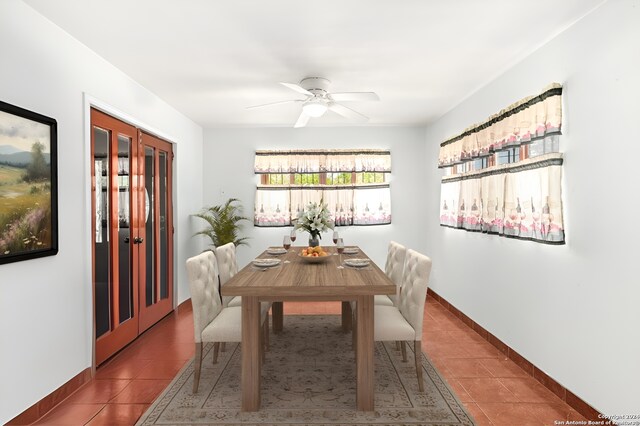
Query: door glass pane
[[163, 255], [124, 234], [149, 173], [101, 224]]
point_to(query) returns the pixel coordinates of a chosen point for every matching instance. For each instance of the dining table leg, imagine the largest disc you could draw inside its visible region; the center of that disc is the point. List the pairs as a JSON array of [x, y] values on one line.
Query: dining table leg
[[364, 354], [251, 353], [277, 313], [346, 316]]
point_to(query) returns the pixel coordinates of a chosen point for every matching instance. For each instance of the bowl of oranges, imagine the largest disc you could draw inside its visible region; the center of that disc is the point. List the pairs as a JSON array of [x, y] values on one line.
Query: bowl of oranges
[[314, 255]]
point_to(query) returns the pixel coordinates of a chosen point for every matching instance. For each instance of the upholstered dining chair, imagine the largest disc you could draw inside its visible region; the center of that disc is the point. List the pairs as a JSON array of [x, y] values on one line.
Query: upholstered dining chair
[[404, 321], [393, 269], [228, 267], [212, 322]]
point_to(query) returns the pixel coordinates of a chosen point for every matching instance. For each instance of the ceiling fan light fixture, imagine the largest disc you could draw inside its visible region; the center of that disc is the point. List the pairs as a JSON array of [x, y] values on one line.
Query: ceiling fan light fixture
[[315, 107]]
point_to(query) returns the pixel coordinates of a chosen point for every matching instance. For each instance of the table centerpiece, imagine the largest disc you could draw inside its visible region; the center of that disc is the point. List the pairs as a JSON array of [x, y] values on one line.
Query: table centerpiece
[[315, 220]]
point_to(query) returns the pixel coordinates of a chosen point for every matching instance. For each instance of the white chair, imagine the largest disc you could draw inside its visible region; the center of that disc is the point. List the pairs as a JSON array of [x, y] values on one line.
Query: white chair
[[393, 269], [404, 321], [228, 267], [212, 322]]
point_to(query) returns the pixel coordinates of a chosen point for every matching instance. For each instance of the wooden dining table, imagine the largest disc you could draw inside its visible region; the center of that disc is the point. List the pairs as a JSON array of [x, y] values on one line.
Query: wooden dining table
[[296, 280]]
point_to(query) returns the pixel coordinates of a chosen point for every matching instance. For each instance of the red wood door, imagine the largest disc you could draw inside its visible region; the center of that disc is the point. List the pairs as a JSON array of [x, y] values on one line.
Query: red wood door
[[113, 146], [155, 228], [132, 232]]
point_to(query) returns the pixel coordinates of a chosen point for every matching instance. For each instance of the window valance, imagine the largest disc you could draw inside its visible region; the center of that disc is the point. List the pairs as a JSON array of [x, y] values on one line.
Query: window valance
[[530, 119], [521, 200], [314, 161]]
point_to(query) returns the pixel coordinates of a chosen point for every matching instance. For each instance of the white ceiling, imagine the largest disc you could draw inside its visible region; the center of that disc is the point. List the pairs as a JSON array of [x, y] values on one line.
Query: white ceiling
[[211, 59]]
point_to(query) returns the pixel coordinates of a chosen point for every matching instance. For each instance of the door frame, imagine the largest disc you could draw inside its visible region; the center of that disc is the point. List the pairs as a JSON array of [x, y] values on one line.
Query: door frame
[[89, 102]]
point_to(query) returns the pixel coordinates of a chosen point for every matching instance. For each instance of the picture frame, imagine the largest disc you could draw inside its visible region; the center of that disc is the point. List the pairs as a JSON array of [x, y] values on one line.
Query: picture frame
[[28, 184]]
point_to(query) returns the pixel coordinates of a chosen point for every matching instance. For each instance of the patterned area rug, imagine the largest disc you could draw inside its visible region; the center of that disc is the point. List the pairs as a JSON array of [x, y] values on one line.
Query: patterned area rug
[[308, 378]]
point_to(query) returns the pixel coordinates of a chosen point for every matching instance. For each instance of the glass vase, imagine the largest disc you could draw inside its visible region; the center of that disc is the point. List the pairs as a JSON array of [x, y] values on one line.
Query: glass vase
[[314, 241]]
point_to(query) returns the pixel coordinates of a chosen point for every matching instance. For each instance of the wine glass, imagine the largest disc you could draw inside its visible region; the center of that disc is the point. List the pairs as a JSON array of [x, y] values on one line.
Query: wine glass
[[335, 239], [292, 235], [286, 242], [340, 249]]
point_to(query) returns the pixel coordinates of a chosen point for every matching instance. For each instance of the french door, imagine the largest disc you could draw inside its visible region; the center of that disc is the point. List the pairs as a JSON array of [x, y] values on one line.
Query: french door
[[132, 232], [155, 227]]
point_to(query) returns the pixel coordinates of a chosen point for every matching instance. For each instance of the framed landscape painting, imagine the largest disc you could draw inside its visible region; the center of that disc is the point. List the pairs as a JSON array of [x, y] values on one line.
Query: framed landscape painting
[[28, 185]]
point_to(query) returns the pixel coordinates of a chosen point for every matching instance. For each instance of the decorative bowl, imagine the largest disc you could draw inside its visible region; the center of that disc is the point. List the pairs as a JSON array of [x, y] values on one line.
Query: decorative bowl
[[311, 259]]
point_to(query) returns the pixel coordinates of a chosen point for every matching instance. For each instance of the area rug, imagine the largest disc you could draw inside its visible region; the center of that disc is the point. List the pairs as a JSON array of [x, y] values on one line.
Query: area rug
[[308, 378]]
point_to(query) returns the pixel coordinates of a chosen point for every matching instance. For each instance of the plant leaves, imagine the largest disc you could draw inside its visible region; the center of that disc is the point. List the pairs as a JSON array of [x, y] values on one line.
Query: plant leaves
[[224, 223]]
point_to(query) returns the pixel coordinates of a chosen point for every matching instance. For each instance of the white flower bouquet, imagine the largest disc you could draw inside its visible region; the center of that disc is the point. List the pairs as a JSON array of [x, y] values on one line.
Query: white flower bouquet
[[314, 219]]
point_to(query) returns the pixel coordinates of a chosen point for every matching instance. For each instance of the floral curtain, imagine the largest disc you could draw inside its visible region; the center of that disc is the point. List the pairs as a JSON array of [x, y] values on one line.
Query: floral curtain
[[372, 206], [303, 161], [520, 200], [530, 119], [351, 204], [272, 207]]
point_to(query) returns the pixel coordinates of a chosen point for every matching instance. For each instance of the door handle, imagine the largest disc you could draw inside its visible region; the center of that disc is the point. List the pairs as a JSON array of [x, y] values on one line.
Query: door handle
[[138, 240]]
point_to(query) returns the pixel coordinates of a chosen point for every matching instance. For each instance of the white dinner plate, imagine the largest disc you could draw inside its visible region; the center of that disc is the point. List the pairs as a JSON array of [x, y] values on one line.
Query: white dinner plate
[[350, 250], [276, 250], [357, 263], [265, 263]]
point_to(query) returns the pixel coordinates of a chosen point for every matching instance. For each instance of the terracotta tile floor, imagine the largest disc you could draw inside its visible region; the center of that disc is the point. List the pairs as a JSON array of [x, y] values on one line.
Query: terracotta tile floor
[[493, 389]]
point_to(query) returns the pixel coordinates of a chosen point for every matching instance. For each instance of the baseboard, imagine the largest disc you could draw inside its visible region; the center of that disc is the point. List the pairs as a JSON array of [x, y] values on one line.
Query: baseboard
[[184, 307], [43, 406], [563, 393]]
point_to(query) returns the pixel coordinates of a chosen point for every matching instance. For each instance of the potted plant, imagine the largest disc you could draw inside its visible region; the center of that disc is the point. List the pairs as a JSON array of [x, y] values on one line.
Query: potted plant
[[224, 223]]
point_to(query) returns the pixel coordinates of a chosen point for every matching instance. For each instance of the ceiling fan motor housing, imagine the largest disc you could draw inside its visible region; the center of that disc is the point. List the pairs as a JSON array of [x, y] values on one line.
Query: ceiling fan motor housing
[[317, 85]]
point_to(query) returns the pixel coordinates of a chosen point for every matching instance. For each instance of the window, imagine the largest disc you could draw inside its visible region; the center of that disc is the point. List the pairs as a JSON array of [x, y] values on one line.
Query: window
[[353, 184], [340, 178], [506, 156], [503, 176]]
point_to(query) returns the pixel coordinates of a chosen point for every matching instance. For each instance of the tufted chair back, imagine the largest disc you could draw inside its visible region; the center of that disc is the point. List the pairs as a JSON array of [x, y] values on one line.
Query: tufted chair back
[[227, 266], [413, 291], [202, 271], [395, 266]]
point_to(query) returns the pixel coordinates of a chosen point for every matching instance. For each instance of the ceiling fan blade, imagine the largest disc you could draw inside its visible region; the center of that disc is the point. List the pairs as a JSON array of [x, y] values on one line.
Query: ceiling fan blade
[[355, 96], [302, 120], [347, 112], [297, 88], [274, 103]]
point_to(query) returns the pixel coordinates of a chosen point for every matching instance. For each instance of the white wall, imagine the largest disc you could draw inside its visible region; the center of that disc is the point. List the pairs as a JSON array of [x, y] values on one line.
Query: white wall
[[572, 310], [228, 173], [45, 304]]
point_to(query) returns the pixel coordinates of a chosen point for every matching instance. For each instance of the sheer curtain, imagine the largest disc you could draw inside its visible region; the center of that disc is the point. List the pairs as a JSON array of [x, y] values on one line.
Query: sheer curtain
[[521, 199], [524, 122], [314, 161]]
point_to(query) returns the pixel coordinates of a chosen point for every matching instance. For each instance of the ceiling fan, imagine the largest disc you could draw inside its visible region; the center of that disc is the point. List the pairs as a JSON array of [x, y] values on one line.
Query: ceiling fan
[[319, 99]]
